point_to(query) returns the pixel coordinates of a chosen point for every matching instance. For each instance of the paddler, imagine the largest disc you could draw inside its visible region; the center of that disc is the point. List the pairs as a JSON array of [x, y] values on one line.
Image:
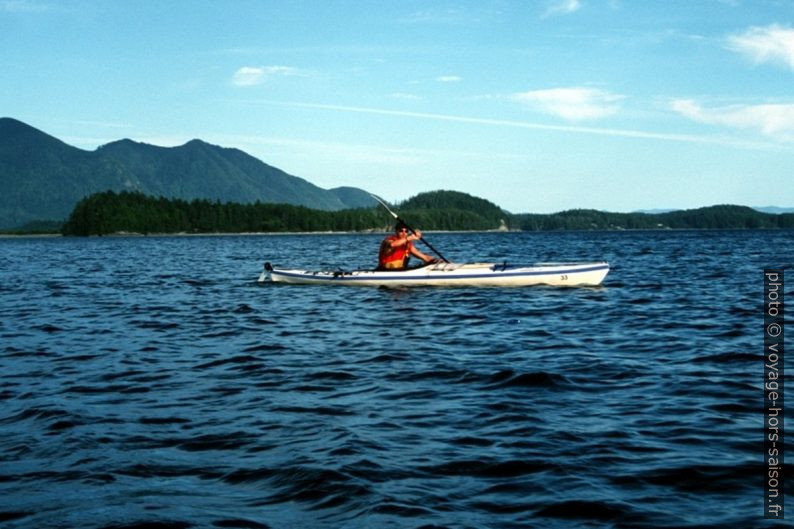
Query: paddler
[[395, 250]]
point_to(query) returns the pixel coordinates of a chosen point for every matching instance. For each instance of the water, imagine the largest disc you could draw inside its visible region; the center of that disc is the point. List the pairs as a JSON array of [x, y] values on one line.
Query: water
[[152, 380]]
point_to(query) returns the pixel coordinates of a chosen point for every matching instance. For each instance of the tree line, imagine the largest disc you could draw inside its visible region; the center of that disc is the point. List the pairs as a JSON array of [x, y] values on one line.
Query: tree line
[[110, 212], [713, 217]]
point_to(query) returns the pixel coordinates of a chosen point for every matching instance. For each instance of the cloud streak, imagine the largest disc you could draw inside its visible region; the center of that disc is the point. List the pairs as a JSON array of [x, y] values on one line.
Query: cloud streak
[[626, 133], [774, 44], [405, 96]]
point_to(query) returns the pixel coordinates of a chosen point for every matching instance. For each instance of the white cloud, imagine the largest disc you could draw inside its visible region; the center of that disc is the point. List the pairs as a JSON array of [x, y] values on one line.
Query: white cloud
[[573, 104], [773, 120], [449, 79], [562, 7], [766, 44], [248, 76], [254, 75]]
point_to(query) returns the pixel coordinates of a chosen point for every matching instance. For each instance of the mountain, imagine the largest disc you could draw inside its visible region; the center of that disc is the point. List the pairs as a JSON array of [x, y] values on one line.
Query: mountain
[[354, 197], [42, 178], [774, 210], [656, 211]]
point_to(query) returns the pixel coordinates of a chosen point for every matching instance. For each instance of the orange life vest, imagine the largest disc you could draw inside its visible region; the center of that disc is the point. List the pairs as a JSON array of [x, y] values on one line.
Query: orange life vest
[[393, 257]]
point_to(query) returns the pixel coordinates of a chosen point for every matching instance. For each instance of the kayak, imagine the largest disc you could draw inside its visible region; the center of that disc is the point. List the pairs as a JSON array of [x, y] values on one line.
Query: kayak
[[449, 274]]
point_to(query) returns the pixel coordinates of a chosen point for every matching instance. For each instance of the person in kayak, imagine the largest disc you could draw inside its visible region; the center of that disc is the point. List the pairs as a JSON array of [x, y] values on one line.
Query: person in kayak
[[395, 250]]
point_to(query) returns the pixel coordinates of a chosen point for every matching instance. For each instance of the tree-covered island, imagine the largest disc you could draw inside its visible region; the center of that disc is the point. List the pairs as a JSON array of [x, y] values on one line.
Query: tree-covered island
[[129, 212]]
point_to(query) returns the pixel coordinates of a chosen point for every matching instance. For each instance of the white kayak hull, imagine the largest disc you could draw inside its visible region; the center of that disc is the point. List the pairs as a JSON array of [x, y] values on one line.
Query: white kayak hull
[[450, 274]]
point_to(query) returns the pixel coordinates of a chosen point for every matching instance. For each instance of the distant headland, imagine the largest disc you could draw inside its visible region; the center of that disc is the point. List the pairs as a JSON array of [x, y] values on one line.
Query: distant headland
[[125, 186]]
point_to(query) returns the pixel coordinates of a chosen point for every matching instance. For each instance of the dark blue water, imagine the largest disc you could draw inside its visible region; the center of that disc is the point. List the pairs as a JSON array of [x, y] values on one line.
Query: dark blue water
[[152, 380]]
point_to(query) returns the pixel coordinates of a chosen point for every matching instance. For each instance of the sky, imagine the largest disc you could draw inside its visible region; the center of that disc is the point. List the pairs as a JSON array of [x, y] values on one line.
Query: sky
[[538, 106]]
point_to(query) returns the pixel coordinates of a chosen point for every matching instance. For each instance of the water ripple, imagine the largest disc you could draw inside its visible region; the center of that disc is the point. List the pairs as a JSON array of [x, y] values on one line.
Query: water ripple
[[151, 382]]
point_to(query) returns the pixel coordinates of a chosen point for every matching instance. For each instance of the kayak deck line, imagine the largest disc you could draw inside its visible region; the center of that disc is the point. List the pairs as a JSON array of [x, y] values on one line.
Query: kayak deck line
[[352, 276], [439, 274]]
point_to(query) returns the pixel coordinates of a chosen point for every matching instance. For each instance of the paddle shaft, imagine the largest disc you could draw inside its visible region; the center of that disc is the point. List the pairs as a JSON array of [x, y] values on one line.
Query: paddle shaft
[[397, 217]]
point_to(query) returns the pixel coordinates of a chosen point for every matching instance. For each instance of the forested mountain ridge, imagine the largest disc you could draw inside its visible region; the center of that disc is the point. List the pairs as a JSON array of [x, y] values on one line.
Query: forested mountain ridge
[[43, 178]]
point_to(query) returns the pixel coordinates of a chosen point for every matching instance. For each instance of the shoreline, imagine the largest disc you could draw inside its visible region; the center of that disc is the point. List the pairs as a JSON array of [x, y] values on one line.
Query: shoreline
[[315, 233], [237, 234]]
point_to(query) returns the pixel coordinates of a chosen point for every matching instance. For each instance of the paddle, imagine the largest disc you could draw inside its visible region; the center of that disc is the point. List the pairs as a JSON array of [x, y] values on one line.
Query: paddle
[[393, 214]]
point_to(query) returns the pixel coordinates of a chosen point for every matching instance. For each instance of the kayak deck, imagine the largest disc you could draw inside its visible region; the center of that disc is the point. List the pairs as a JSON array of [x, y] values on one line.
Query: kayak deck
[[450, 274]]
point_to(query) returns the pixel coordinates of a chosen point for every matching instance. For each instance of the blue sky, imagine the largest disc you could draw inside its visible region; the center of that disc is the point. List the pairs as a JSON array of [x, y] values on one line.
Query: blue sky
[[538, 106]]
